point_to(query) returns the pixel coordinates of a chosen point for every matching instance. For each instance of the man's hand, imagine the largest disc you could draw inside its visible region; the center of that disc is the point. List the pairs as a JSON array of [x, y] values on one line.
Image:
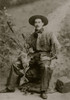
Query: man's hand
[[31, 50], [48, 58]]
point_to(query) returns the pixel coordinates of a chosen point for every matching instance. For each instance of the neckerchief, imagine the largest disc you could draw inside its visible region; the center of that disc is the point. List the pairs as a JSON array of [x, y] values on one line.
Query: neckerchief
[[38, 32]]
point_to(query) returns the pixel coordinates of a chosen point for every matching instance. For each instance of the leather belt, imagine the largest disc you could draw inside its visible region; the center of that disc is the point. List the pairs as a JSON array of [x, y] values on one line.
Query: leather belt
[[37, 51]]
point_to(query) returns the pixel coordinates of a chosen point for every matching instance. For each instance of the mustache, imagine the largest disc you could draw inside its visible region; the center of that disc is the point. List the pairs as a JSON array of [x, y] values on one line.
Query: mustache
[[36, 25]]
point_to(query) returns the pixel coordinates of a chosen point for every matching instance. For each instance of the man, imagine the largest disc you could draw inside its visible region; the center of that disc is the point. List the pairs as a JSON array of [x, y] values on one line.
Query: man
[[45, 48], [16, 73]]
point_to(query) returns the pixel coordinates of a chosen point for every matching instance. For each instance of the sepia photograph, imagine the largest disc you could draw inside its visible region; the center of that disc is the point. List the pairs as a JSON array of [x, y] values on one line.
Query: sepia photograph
[[34, 49]]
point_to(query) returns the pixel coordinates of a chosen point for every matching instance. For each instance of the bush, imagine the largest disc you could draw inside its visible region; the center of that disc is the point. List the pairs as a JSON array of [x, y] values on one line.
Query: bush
[[10, 44]]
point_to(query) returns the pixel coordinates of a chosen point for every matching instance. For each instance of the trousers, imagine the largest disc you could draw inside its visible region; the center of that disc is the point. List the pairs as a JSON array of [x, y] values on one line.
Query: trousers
[[40, 70]]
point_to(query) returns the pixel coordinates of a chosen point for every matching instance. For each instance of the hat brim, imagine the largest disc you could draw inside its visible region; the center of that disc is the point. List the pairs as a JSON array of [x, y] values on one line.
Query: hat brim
[[43, 18]]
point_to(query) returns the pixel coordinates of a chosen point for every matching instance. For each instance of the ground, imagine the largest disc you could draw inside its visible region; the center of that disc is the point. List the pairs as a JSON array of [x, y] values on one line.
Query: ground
[[57, 14], [20, 96]]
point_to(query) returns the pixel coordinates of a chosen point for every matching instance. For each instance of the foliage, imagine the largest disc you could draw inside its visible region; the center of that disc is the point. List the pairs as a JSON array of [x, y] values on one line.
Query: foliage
[[64, 36], [63, 68]]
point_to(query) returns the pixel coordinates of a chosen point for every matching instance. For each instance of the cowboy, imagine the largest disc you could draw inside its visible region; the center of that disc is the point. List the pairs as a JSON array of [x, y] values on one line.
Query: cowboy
[[17, 71], [45, 47]]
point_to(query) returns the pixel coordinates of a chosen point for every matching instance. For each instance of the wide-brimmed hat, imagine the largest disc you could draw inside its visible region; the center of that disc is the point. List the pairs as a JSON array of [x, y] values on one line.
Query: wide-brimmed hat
[[43, 18]]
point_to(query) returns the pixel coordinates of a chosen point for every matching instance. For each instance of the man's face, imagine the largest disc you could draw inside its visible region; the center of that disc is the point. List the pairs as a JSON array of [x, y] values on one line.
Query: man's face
[[38, 24]]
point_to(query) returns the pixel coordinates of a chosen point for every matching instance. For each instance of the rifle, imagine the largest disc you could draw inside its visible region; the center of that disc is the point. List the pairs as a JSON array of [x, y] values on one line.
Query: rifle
[[8, 23]]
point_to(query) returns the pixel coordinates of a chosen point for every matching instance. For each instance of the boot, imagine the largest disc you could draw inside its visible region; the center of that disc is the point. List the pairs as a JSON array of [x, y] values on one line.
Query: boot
[[6, 90], [43, 95]]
